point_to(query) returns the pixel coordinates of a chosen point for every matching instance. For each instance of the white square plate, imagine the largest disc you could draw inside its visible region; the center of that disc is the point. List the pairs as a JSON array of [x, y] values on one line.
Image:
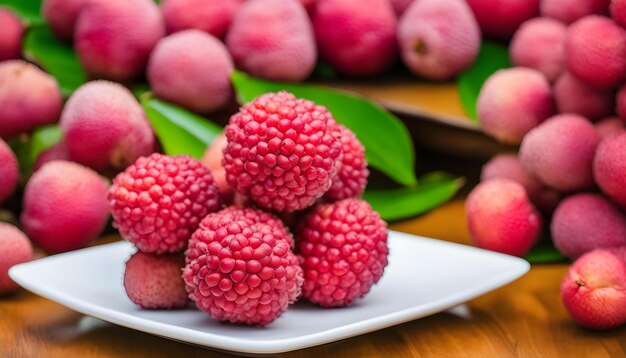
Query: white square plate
[[424, 276]]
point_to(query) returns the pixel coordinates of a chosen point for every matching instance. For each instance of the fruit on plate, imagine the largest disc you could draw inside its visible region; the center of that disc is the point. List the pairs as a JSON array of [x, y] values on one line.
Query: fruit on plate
[[352, 175], [16, 249]]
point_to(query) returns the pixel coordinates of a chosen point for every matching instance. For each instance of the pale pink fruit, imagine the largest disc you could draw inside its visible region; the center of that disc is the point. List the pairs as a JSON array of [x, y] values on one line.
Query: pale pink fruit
[[9, 171], [61, 15], [356, 37], [16, 249], [10, 35], [273, 39], [500, 18], [609, 126], [540, 44], [501, 218], [210, 16], [594, 290], [596, 51], [560, 152], [584, 222], [104, 127], [114, 38], [29, 98], [512, 102], [191, 68], [575, 96], [64, 206], [438, 39], [212, 159], [609, 168], [569, 11]]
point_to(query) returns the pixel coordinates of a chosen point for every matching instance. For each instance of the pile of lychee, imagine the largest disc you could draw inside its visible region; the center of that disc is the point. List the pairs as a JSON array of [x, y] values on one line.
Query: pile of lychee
[[564, 104]]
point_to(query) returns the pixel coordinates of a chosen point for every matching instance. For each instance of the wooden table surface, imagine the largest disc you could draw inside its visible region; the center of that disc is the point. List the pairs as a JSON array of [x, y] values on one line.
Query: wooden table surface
[[523, 319]]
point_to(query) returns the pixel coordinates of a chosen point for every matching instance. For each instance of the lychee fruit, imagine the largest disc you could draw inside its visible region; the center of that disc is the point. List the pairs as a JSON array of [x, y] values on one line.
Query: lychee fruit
[[575, 96], [560, 152], [569, 11], [212, 159], [618, 12], [159, 201], [309, 5], [10, 36], [399, 6], [56, 152], [501, 218], [29, 98], [620, 100], [540, 44], [438, 39], [114, 38], [241, 272], [104, 127], [584, 222], [594, 290], [352, 176], [64, 206], [595, 47], [192, 69], [61, 15], [512, 102], [343, 251], [609, 168], [609, 126], [209, 16], [499, 19], [155, 281], [356, 37], [285, 48], [16, 249], [9, 171], [282, 152]]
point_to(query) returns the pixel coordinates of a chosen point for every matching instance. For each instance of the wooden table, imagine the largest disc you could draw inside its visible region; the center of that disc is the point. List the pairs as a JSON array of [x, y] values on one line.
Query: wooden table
[[523, 319]]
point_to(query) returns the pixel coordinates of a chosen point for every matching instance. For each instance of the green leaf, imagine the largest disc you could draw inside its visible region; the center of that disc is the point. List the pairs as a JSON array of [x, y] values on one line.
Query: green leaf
[[180, 131], [544, 253], [432, 191], [388, 145], [492, 57], [27, 10], [59, 59]]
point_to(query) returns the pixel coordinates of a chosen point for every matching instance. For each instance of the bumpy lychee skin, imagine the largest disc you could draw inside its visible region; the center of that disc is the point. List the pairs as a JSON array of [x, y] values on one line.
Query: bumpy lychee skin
[[608, 126], [609, 168], [438, 39], [500, 18], [212, 159], [285, 49], [209, 16], [241, 272], [356, 37], [10, 36], [61, 15], [540, 44], [159, 201], [155, 281], [282, 152], [399, 6], [9, 171], [560, 152], [575, 96], [343, 251], [595, 47], [584, 222], [569, 11], [16, 249], [618, 11], [512, 102], [501, 218], [104, 127], [114, 38], [594, 290], [352, 176], [29, 98], [64, 206]]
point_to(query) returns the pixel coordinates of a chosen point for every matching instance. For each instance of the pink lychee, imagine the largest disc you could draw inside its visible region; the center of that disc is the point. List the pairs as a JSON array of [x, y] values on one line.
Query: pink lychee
[[284, 50], [438, 39], [609, 126], [399, 6], [209, 16], [618, 11], [501, 218], [575, 96], [212, 159], [569, 11], [9, 171], [56, 152], [29, 98], [352, 176], [64, 206], [114, 38], [61, 15], [500, 18], [104, 127], [356, 37], [609, 167], [540, 44], [620, 100], [16, 249], [512, 102], [10, 35]]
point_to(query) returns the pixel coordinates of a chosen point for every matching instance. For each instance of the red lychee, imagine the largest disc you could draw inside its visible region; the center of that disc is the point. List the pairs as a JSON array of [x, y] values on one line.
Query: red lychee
[[575, 96], [9, 171], [500, 18], [16, 249], [212, 159], [352, 176], [209, 16], [10, 36], [569, 11], [609, 126], [61, 15], [609, 167]]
